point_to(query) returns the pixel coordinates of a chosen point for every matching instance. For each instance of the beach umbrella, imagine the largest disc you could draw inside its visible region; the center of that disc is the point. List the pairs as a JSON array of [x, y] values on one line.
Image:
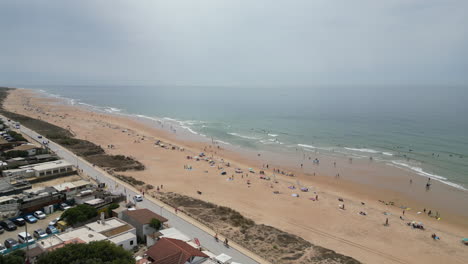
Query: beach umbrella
[[465, 241]]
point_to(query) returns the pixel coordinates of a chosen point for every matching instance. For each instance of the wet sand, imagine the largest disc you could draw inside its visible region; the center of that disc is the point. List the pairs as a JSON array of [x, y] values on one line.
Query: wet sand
[[320, 222]]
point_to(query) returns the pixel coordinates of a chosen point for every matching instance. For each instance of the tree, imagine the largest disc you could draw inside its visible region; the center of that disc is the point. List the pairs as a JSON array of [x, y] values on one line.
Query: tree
[[111, 207], [155, 223], [97, 252], [15, 257], [78, 214]]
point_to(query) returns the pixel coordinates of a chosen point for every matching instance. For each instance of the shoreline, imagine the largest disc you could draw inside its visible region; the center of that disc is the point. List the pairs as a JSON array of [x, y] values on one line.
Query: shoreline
[[327, 186]]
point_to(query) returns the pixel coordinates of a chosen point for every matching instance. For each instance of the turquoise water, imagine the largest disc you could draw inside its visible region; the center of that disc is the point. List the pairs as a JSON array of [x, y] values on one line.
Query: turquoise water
[[421, 129]]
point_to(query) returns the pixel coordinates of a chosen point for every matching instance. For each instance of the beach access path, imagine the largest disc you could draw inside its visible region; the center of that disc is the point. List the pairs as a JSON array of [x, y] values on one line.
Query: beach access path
[[185, 224]]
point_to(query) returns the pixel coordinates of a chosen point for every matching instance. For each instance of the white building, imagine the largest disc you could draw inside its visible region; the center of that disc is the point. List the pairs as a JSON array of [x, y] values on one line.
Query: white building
[[50, 168], [112, 229]]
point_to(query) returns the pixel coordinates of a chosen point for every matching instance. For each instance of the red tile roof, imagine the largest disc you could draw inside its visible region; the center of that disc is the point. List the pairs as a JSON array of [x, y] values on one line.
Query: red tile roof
[[173, 251], [143, 216]]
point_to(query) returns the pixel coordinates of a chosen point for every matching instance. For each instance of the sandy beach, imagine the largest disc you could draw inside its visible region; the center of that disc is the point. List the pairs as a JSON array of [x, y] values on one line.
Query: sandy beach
[[369, 192]]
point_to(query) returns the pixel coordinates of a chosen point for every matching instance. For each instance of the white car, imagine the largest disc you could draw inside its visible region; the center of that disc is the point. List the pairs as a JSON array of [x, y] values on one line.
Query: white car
[[24, 237], [54, 221], [138, 198], [39, 215]]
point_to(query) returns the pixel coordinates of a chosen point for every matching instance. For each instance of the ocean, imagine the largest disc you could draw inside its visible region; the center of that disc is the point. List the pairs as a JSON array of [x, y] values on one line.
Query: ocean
[[419, 129]]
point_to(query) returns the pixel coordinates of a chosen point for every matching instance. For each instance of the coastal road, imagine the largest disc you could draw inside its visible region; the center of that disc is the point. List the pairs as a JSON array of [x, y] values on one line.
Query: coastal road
[[181, 222]]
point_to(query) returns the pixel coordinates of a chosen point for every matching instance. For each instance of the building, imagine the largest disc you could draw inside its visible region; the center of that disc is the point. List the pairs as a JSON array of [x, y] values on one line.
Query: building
[[46, 169], [140, 219], [72, 189], [30, 148], [112, 229], [173, 251]]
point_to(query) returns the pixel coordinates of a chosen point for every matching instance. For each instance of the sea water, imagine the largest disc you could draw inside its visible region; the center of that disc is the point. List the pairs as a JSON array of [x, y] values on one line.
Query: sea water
[[421, 129]]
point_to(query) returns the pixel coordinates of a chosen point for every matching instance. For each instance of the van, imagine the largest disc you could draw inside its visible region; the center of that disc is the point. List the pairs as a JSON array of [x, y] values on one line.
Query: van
[[24, 237]]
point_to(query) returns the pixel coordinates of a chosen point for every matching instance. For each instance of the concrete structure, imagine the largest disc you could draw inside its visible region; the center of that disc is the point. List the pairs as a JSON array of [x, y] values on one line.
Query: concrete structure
[[151, 239], [140, 219], [46, 169], [112, 229]]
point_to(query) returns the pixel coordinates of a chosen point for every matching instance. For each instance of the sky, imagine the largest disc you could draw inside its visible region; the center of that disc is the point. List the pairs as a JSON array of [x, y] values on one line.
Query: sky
[[236, 42]]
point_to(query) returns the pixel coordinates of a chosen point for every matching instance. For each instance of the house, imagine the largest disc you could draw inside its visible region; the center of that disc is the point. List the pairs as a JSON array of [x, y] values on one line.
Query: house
[[140, 219], [30, 148], [112, 229], [173, 251]]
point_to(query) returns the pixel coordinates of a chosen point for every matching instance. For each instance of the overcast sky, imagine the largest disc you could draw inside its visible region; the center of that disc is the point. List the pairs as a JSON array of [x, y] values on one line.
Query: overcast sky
[[237, 42]]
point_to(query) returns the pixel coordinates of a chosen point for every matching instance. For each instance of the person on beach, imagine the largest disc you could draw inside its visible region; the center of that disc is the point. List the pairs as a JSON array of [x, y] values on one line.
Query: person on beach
[[386, 222]]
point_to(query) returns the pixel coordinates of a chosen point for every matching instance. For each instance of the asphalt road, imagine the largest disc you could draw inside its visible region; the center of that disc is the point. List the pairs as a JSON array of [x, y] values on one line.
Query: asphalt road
[[206, 239]]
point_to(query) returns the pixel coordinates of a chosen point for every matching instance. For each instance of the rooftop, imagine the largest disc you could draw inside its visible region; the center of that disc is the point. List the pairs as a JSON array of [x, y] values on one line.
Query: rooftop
[[24, 147], [173, 251], [51, 165], [173, 233], [70, 185], [82, 233], [109, 224], [143, 216]]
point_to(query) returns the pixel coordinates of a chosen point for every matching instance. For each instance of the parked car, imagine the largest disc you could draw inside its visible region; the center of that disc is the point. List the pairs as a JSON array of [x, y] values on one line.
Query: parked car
[[19, 221], [54, 221], [39, 215], [24, 237], [1, 230], [40, 233], [138, 198], [39, 136], [10, 242], [8, 225], [2, 249], [30, 219], [64, 206], [51, 230]]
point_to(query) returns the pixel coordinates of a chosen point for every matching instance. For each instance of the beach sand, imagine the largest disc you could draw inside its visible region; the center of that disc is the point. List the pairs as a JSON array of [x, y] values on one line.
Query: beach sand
[[320, 222]]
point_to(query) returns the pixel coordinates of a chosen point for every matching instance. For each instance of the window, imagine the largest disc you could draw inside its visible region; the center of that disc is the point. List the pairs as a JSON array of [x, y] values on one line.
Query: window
[[131, 242], [48, 172], [56, 171], [62, 170], [41, 174], [120, 245]]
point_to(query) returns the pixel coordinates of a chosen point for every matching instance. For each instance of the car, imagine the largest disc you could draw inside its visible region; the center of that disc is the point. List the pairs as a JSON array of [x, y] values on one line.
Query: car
[[138, 198], [39, 233], [19, 221], [51, 230], [64, 206], [8, 225], [2, 249], [1, 230], [24, 237], [39, 136], [54, 221], [10, 242], [39, 215], [30, 219]]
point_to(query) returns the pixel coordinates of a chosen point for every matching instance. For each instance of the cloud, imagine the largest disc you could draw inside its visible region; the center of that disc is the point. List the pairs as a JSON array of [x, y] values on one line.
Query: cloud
[[235, 42]]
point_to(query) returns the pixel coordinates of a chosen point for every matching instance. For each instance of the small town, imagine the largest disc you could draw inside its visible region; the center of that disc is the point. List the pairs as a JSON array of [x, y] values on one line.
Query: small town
[[46, 203]]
